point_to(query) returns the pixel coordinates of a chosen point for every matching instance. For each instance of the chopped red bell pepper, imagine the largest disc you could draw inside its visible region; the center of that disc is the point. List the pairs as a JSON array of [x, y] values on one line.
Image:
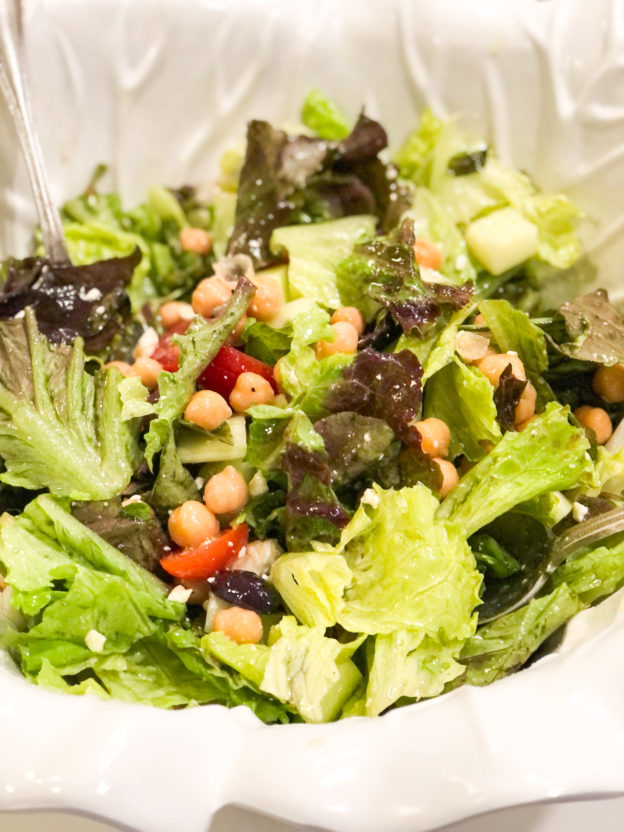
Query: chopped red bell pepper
[[200, 562], [221, 374]]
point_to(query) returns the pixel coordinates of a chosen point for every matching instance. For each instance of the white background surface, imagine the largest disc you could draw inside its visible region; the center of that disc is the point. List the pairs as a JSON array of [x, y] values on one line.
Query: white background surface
[[602, 816]]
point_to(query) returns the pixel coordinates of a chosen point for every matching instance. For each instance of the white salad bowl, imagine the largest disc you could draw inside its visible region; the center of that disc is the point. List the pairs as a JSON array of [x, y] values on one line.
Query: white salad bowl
[[157, 90]]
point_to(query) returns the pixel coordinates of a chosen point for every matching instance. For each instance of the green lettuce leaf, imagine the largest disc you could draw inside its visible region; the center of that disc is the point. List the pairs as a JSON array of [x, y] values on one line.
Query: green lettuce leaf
[[593, 575], [432, 221], [61, 428], [463, 398], [264, 342], [409, 664], [513, 331], [312, 585], [410, 571], [321, 115], [198, 346], [548, 455], [315, 250], [272, 429], [504, 645], [310, 671], [173, 484]]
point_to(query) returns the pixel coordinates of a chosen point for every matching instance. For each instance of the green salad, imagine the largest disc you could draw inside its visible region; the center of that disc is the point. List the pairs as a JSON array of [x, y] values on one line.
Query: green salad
[[322, 439]]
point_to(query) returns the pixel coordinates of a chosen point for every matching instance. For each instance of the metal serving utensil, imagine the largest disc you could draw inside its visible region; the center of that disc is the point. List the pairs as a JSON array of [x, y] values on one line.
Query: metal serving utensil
[[16, 91]]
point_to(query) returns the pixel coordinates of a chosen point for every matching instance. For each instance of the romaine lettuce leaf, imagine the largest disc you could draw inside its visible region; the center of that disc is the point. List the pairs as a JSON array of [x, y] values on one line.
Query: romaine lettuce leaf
[[504, 645], [409, 664], [513, 331], [410, 570], [463, 398], [264, 342], [61, 428], [548, 455], [593, 575]]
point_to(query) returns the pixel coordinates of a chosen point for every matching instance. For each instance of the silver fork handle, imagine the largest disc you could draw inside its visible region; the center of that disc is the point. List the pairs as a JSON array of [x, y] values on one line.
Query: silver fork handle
[[15, 88]]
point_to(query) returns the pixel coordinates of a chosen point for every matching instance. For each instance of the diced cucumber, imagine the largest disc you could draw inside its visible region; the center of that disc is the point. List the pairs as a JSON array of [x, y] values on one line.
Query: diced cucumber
[[289, 311], [279, 274], [315, 250], [229, 442], [502, 240]]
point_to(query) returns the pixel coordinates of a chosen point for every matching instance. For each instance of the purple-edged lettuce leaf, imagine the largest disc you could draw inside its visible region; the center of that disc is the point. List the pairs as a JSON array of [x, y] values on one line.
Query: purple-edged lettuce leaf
[[383, 385], [290, 179], [358, 447], [506, 398], [313, 511], [594, 329], [386, 271], [69, 301]]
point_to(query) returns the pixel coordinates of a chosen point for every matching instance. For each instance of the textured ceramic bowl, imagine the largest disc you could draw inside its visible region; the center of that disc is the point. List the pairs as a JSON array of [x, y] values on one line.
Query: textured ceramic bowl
[[158, 89]]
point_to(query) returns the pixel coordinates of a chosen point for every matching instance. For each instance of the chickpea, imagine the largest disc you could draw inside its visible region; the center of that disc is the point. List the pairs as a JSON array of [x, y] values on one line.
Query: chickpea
[[210, 293], [124, 368], [427, 254], [450, 477], [493, 366], [239, 625], [471, 346], [350, 315], [207, 409], [250, 388], [609, 383], [195, 239], [174, 312], [435, 436], [526, 406], [148, 370], [596, 419], [268, 299], [346, 340], [191, 523], [226, 492]]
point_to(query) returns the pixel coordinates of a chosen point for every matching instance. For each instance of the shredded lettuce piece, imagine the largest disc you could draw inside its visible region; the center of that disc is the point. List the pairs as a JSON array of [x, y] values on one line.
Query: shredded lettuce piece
[[548, 455], [504, 645], [514, 331], [321, 115], [463, 398]]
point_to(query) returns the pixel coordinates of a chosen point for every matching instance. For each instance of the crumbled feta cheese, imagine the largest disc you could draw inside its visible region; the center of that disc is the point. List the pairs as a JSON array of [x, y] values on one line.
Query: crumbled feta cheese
[[579, 512], [258, 556], [257, 485], [146, 344], [200, 482], [89, 294], [461, 261], [180, 594], [136, 498], [95, 641], [370, 498]]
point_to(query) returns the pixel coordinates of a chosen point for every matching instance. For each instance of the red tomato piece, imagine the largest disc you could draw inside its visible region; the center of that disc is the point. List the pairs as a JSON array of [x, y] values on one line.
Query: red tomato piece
[[221, 374], [200, 562], [166, 352]]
